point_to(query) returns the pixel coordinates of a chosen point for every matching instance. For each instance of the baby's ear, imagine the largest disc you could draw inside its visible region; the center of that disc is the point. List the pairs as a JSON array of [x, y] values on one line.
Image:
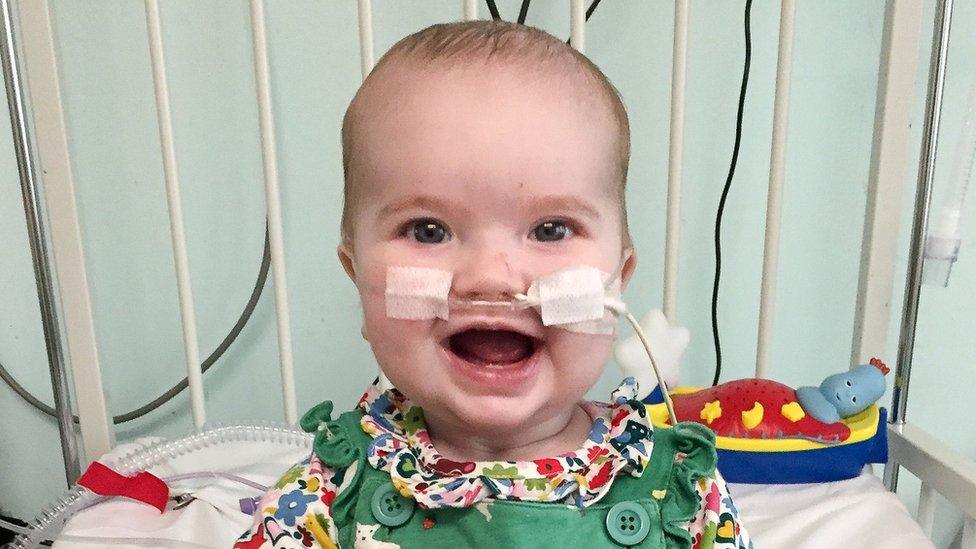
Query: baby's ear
[[345, 258], [630, 263]]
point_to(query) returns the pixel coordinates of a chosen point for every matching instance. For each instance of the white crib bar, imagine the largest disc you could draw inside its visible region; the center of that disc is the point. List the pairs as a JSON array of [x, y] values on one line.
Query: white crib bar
[[190, 342], [577, 25], [67, 245], [273, 199], [679, 54], [889, 162], [366, 59], [968, 534], [470, 9], [365, 12], [926, 509], [774, 200], [938, 466]]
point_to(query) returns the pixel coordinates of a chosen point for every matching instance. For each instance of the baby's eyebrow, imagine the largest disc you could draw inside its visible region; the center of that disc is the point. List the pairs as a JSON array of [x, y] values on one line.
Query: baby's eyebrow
[[563, 202], [424, 202]]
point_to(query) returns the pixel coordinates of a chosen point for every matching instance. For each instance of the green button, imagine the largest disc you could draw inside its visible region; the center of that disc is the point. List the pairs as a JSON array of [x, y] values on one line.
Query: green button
[[628, 523], [389, 507]]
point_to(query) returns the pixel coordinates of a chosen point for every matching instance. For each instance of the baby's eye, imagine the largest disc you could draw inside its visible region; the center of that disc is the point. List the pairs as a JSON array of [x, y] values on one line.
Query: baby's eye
[[551, 231], [429, 231]]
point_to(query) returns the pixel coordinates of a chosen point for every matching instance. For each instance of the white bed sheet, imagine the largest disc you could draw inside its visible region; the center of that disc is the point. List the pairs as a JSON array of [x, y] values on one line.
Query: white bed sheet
[[848, 514], [852, 514]]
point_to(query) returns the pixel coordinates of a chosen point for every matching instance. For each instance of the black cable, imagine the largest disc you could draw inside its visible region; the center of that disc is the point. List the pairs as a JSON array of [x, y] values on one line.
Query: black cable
[[591, 9], [493, 9], [725, 193], [523, 12], [179, 387]]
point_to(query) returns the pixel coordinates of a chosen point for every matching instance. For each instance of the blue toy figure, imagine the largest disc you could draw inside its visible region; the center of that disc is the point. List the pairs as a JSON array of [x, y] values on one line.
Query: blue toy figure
[[845, 394]]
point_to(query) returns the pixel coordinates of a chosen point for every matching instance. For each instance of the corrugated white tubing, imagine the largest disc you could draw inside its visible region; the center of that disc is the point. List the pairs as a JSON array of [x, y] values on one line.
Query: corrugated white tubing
[[51, 518]]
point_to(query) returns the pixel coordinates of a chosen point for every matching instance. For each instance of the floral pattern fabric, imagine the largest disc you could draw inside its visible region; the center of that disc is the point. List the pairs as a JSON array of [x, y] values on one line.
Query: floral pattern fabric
[[296, 512], [619, 442]]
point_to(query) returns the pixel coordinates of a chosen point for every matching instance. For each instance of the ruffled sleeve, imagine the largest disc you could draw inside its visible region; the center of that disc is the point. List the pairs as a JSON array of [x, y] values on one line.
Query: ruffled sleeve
[[717, 522], [699, 511], [297, 511]]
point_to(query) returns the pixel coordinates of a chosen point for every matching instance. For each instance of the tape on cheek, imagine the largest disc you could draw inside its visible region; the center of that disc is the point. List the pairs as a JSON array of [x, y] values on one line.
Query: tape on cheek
[[417, 293], [607, 323], [575, 299]]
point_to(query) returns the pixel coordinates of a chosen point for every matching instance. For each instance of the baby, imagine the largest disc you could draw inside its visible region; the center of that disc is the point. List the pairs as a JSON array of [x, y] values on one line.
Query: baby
[[496, 154]]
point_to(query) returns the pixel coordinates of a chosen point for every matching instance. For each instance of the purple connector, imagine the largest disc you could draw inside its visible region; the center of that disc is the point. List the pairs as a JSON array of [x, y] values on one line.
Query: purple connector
[[249, 505]]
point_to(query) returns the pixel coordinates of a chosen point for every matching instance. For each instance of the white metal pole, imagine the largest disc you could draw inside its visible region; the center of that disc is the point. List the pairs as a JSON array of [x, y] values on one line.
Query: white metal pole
[[774, 200], [44, 275], [577, 25], [177, 233], [923, 198], [54, 160], [470, 8], [889, 162], [273, 199], [679, 56], [365, 12]]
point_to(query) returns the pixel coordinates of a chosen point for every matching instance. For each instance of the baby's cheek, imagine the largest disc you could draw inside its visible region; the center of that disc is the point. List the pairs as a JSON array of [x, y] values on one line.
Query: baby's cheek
[[578, 358], [399, 345]]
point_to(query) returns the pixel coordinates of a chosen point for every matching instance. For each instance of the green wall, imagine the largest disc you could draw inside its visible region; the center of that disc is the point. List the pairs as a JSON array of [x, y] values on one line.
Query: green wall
[[111, 120]]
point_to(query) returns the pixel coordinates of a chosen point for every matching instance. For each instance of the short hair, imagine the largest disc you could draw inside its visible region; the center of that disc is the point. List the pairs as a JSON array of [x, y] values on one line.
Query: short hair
[[490, 41]]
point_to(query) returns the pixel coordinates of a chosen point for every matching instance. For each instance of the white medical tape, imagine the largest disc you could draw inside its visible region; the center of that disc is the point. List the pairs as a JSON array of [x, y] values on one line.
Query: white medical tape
[[575, 299], [417, 293]]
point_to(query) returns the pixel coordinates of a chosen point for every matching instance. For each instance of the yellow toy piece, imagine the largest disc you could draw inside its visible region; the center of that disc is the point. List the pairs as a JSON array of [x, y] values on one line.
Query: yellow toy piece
[[793, 411], [711, 411], [753, 417]]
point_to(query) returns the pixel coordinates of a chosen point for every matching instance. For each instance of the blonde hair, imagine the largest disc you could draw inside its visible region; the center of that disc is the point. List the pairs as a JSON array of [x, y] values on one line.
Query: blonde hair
[[490, 41]]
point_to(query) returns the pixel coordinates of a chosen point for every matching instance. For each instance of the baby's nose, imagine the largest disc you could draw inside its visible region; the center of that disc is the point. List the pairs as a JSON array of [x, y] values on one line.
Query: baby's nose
[[489, 275]]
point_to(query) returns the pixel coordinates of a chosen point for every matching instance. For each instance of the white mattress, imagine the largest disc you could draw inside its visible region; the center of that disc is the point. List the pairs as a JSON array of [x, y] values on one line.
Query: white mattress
[[852, 514], [848, 514]]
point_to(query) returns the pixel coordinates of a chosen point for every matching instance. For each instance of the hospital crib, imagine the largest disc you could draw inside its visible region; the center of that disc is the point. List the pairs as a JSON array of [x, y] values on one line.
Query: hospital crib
[[60, 268]]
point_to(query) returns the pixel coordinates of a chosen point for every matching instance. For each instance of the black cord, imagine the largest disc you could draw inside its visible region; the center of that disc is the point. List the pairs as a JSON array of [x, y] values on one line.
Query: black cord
[[179, 387], [493, 9], [725, 193], [523, 12], [591, 9]]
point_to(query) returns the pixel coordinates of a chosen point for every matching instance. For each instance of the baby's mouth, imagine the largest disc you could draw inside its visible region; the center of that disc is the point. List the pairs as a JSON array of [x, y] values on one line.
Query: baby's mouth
[[485, 347]]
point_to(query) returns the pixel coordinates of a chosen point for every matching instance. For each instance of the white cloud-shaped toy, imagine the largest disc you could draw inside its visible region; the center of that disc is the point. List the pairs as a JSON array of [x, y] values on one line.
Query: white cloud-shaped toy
[[668, 344]]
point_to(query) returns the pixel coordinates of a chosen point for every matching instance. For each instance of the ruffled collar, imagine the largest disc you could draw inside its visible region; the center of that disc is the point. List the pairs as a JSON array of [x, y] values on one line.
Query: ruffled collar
[[619, 442]]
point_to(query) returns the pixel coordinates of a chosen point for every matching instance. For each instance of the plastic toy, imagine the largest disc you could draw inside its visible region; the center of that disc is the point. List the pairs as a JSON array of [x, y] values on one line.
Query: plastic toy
[[767, 432]]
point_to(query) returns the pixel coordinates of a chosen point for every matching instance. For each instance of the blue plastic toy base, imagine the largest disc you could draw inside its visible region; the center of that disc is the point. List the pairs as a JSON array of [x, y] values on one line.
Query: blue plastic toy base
[[656, 396], [803, 466], [800, 467]]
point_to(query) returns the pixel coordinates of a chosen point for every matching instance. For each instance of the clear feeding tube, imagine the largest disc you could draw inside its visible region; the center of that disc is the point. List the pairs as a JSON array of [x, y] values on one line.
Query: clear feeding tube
[[945, 236], [49, 522]]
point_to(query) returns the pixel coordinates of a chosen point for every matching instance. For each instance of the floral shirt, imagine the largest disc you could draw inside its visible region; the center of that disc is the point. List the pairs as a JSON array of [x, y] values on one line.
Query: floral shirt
[[296, 512]]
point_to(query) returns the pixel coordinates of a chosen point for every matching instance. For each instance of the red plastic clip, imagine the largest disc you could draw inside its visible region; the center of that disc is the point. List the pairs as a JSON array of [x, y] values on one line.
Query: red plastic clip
[[145, 486], [876, 362]]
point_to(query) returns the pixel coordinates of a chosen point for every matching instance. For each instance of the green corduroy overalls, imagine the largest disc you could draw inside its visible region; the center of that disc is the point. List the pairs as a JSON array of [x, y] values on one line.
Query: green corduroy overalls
[[650, 511]]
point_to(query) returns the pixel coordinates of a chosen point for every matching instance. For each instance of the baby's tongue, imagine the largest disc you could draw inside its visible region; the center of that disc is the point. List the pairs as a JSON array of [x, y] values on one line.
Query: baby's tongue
[[491, 346]]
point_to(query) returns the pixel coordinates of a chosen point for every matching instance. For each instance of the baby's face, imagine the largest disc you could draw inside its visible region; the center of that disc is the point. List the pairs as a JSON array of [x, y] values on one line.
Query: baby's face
[[499, 177]]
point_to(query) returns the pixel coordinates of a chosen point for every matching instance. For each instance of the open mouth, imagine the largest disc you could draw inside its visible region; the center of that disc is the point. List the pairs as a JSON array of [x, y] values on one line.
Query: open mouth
[[498, 348]]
